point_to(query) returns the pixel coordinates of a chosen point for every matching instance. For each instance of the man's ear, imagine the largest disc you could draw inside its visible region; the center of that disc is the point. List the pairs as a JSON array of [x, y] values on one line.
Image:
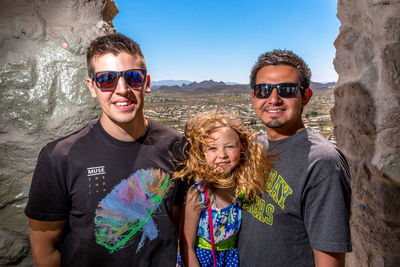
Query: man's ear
[[307, 96], [252, 98], [148, 90], [90, 85]]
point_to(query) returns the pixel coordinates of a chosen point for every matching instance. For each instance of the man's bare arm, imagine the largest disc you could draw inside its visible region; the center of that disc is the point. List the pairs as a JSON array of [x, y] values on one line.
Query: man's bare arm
[[328, 259], [44, 237]]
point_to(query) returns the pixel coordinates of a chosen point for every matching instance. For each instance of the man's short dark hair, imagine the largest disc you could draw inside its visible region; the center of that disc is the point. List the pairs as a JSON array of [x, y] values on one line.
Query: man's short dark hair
[[282, 57], [115, 44]]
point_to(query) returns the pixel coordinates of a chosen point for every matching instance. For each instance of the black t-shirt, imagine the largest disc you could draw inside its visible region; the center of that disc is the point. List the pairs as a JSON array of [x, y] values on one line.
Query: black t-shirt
[[306, 205], [118, 209]]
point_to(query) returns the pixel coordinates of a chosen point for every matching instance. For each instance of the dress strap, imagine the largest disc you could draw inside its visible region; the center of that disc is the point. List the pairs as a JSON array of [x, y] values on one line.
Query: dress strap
[[211, 227]]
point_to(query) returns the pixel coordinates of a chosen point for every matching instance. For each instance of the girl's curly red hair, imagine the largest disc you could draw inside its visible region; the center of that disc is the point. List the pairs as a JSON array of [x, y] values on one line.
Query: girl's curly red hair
[[247, 179]]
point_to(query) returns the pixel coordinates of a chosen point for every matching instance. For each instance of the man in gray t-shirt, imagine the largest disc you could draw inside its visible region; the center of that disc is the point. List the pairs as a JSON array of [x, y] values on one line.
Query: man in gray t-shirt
[[303, 218]]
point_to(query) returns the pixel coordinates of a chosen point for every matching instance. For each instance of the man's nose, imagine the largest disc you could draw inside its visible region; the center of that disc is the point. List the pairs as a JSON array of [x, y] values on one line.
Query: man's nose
[[274, 97], [121, 86]]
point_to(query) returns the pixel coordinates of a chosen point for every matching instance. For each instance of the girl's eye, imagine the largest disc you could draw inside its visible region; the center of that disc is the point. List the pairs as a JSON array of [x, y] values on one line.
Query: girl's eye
[[211, 149]]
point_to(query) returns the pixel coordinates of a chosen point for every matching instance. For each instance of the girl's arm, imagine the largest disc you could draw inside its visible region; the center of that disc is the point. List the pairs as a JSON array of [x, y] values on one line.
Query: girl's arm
[[191, 216]]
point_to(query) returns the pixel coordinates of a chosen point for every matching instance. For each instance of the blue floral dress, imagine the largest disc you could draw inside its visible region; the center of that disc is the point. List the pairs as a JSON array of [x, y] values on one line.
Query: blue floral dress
[[226, 225]]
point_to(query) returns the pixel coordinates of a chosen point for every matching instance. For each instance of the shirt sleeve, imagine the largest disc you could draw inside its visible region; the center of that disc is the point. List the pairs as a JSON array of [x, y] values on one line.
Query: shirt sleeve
[[48, 197], [327, 209]]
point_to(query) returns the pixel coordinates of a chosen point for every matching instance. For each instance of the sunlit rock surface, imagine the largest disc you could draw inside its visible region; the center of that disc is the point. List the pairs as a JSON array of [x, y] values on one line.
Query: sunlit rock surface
[[367, 125], [43, 95]]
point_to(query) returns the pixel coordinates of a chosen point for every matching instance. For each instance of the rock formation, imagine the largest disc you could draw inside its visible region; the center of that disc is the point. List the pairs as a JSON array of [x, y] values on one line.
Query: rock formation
[[42, 95], [366, 117]]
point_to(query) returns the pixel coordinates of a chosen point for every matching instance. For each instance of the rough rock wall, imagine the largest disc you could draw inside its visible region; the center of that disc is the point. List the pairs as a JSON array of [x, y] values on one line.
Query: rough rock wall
[[42, 95], [367, 125]]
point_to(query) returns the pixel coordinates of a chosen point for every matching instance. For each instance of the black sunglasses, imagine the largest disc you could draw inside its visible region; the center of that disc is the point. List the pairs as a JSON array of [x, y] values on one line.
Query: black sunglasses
[[285, 90], [107, 80]]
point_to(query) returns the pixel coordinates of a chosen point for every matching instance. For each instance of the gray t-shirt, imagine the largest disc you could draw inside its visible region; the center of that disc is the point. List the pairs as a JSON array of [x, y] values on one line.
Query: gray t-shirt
[[306, 205]]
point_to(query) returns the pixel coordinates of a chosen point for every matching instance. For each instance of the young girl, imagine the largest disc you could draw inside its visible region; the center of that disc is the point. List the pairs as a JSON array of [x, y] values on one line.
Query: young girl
[[227, 168]]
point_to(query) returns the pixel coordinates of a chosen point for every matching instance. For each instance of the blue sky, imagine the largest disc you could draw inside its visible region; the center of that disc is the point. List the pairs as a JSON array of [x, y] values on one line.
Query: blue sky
[[221, 40]]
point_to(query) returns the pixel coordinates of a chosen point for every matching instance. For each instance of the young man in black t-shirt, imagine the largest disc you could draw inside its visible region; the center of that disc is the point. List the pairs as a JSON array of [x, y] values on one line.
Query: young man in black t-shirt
[[303, 218], [103, 196]]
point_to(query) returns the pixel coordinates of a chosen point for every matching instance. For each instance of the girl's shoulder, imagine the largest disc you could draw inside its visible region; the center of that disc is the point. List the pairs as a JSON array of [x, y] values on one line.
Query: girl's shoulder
[[201, 187]]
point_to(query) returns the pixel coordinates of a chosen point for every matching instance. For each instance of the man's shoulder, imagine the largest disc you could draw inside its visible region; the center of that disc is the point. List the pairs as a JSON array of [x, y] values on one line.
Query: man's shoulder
[[310, 146], [163, 131], [305, 141], [64, 144], [320, 146], [165, 138], [325, 154]]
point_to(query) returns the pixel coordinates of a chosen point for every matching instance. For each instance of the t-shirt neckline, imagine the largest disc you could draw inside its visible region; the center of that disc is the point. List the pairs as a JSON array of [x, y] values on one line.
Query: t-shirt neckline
[[287, 141], [99, 128]]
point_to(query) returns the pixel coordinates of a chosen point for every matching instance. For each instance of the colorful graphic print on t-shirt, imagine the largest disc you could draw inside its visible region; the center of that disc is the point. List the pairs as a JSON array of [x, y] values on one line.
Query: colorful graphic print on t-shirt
[[129, 207]]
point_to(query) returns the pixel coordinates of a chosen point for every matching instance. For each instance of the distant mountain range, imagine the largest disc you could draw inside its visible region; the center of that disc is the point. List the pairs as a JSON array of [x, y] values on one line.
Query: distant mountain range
[[212, 86], [156, 84], [322, 86]]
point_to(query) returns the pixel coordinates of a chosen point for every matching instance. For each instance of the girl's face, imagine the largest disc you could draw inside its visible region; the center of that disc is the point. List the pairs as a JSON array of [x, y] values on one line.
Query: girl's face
[[223, 149]]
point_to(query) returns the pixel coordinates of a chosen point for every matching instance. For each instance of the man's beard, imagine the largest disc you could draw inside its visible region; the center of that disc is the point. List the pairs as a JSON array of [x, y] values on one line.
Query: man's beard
[[274, 124]]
